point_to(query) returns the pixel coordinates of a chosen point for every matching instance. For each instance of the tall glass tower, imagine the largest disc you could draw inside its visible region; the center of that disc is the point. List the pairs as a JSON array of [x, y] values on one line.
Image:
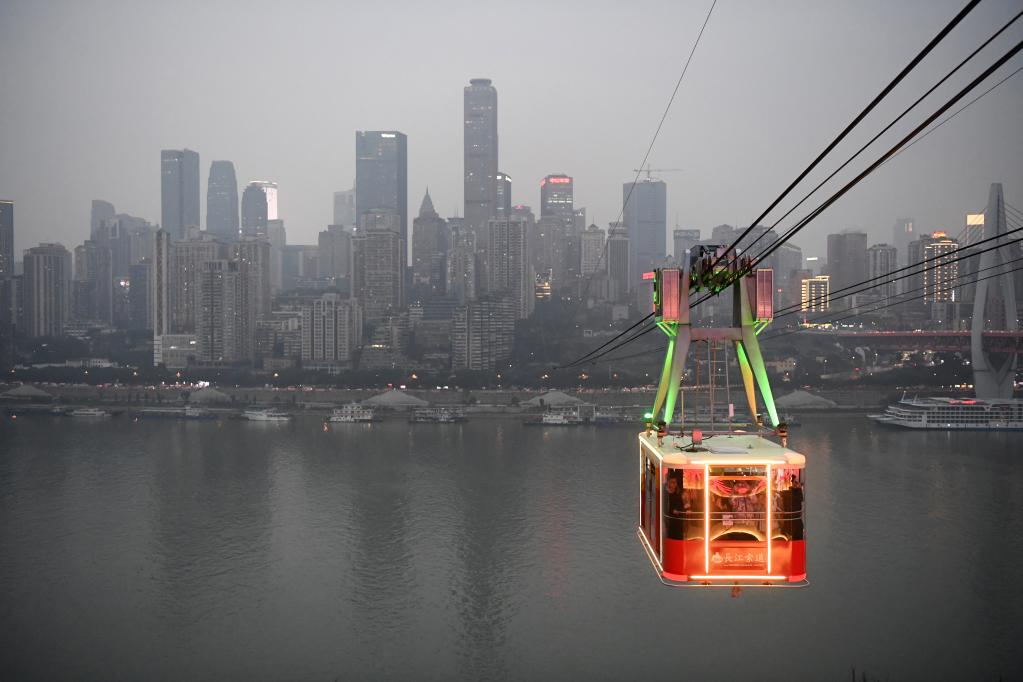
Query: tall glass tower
[[222, 200], [179, 195], [480, 154], [381, 175]]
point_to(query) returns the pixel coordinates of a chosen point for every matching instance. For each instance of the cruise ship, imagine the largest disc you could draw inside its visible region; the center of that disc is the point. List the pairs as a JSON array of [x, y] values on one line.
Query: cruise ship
[[271, 415], [352, 414], [954, 414]]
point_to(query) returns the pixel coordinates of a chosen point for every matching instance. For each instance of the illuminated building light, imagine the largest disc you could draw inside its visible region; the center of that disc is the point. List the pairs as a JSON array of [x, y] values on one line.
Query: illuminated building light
[[738, 577]]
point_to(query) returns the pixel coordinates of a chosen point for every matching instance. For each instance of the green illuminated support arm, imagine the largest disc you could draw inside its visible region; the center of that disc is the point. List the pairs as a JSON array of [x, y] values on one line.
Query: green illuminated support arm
[[665, 381], [678, 361], [751, 347], [747, 378]]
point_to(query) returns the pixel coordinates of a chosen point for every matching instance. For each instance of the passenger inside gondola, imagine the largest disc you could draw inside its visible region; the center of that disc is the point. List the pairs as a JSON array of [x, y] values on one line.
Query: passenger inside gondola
[[674, 506]]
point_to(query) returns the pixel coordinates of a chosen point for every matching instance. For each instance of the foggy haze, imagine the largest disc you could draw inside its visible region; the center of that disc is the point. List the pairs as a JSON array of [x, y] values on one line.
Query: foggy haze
[[92, 91]]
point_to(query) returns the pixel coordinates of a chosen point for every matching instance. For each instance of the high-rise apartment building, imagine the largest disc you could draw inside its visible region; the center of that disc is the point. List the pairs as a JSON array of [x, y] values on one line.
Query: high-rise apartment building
[[222, 201], [224, 324], [592, 250], [847, 259], [503, 196], [6, 239], [430, 245], [381, 175], [460, 279], [481, 157], [344, 208], [179, 191], [508, 256], [646, 217], [482, 333], [93, 285], [160, 285], [335, 257], [619, 262], [815, 294], [47, 282], [942, 268], [186, 269], [331, 331], [379, 281], [903, 233], [882, 260], [140, 315], [253, 257]]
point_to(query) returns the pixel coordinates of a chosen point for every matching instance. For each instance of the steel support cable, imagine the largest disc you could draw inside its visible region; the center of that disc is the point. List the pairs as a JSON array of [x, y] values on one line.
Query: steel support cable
[[957, 112], [907, 300], [618, 346], [966, 251], [603, 345], [661, 349], [943, 121], [826, 315], [841, 136], [884, 130], [887, 155], [650, 147]]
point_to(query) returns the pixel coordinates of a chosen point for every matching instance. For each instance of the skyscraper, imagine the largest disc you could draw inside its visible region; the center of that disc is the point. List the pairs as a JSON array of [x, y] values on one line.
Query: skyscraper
[[508, 255], [335, 245], [480, 146], [223, 321], [253, 257], [381, 175], [902, 234], [6, 239], [618, 263], [847, 258], [47, 282], [430, 243], [460, 279], [179, 190], [222, 201], [646, 217], [943, 268], [344, 208], [592, 250], [101, 210], [882, 259], [259, 205], [160, 285], [379, 281], [503, 196], [556, 196]]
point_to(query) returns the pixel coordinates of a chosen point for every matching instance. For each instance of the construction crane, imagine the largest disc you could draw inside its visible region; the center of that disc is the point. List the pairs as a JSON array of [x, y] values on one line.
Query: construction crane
[[648, 170]]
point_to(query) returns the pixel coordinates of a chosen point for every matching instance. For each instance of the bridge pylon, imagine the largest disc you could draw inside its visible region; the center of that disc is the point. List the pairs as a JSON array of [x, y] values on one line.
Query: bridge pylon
[[994, 307]]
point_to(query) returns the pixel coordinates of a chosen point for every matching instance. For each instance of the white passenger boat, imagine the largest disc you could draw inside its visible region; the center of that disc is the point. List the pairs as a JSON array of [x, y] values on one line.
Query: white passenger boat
[[352, 414], [271, 415], [954, 414], [90, 412], [437, 415]]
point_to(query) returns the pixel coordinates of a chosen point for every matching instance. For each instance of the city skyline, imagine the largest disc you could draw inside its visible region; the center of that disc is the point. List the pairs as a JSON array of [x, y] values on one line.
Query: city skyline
[[933, 183]]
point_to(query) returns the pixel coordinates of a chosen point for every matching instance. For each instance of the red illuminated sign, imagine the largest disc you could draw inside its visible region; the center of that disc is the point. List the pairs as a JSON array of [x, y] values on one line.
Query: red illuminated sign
[[559, 181], [648, 276]]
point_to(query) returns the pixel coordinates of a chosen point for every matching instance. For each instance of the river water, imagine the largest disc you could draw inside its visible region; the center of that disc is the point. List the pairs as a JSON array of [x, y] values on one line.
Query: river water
[[487, 550]]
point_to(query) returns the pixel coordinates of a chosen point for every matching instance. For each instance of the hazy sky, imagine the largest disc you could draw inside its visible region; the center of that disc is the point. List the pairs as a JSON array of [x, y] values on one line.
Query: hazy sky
[[90, 92]]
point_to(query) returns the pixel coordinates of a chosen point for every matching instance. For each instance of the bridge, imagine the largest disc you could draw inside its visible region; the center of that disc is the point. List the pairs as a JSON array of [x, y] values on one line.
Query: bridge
[[939, 341]]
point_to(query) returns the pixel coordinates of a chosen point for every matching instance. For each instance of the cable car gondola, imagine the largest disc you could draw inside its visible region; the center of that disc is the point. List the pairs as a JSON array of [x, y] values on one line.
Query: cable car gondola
[[719, 507]]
